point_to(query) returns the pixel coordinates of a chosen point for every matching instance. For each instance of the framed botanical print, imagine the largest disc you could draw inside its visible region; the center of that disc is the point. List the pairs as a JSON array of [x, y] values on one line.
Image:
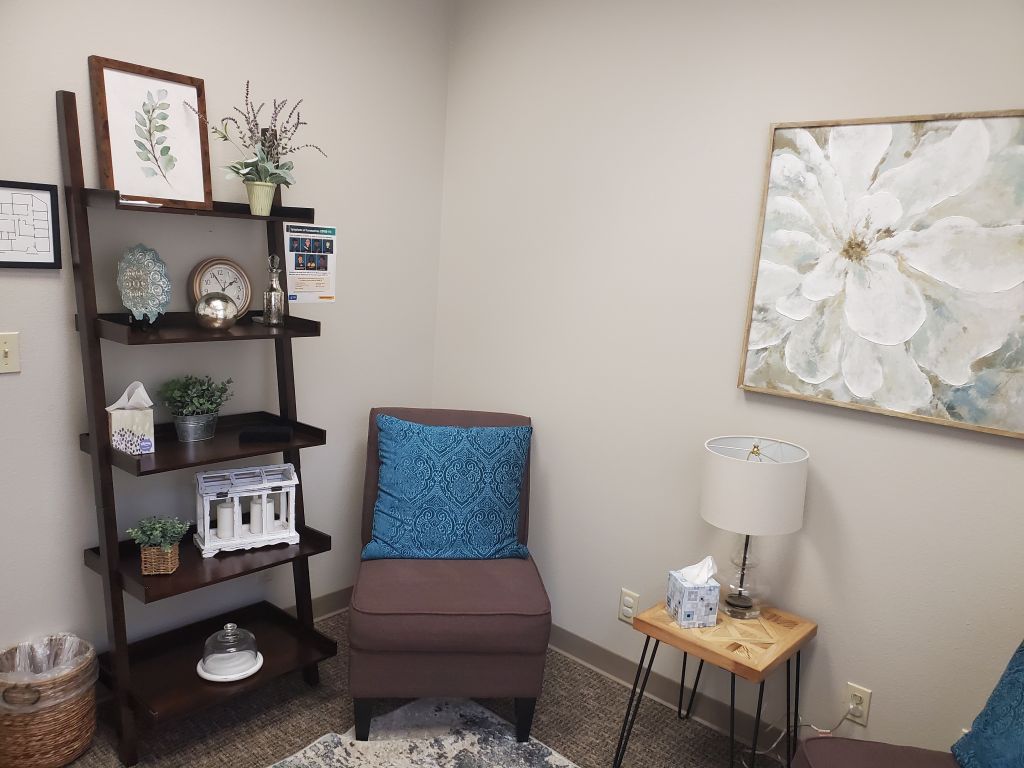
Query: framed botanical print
[[889, 274], [151, 146], [29, 226]]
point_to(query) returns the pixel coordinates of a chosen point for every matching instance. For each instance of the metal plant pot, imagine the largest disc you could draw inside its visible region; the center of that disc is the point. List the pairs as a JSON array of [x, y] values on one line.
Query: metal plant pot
[[194, 428]]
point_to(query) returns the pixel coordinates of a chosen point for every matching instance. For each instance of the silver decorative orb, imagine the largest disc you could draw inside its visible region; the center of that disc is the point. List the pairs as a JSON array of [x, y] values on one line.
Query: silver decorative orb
[[216, 311]]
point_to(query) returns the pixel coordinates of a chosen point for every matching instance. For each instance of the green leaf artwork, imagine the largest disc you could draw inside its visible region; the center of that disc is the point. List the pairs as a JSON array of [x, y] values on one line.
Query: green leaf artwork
[[151, 128]]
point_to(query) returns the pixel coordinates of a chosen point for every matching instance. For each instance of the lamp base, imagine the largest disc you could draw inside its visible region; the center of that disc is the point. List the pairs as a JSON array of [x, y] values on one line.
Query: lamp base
[[741, 600], [741, 606]]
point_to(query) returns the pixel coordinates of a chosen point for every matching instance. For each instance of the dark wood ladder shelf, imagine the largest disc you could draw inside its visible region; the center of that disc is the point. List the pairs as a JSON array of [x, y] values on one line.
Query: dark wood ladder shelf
[[169, 454], [164, 683], [195, 571], [111, 198], [155, 679], [182, 328]]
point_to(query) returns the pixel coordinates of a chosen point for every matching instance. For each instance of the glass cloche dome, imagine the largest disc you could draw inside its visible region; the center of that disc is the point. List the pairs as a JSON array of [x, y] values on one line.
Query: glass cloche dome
[[230, 651]]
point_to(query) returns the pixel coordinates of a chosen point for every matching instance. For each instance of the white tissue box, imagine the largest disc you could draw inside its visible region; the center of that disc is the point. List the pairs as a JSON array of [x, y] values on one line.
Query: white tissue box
[[692, 605], [131, 421], [131, 431]]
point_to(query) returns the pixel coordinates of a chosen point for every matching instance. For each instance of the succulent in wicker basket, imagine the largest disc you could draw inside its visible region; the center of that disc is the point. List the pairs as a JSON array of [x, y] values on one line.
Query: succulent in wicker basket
[[159, 537]]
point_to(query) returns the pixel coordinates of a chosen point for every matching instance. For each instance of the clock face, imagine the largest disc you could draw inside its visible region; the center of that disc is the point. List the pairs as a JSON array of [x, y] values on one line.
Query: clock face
[[222, 276]]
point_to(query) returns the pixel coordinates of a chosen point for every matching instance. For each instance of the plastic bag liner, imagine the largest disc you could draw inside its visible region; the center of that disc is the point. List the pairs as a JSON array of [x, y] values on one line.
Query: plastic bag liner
[[45, 671]]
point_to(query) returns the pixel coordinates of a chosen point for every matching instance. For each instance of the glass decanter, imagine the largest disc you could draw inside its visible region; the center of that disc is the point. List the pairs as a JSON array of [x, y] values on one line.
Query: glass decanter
[[273, 297]]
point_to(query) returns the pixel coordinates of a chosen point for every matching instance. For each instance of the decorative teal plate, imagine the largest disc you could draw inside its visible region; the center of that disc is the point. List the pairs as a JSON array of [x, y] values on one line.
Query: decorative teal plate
[[143, 282]]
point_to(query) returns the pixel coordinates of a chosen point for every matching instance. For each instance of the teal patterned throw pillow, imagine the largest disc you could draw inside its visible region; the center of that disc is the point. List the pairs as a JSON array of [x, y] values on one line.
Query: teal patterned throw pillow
[[448, 493], [996, 740]]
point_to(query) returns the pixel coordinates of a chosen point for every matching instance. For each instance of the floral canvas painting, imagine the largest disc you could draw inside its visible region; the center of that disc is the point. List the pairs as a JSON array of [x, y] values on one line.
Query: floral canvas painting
[[890, 269]]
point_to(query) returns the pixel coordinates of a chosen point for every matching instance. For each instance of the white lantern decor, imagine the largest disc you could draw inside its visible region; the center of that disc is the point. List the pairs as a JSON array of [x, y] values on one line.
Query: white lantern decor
[[245, 508]]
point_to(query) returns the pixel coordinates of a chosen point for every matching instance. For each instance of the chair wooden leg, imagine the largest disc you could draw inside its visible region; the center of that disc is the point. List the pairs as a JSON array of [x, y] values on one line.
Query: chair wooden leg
[[363, 710], [524, 718]]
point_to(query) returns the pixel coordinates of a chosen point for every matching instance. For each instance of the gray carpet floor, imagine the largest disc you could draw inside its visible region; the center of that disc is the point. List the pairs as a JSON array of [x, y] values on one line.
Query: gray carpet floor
[[579, 715]]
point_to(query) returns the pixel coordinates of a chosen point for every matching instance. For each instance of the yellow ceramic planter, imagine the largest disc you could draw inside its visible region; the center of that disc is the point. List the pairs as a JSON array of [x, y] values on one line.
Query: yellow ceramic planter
[[261, 197]]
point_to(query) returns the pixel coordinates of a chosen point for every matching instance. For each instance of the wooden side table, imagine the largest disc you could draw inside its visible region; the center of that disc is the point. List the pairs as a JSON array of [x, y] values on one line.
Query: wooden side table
[[749, 648]]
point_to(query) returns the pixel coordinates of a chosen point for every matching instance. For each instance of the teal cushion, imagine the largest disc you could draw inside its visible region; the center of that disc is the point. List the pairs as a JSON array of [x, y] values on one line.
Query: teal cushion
[[448, 493], [996, 740]]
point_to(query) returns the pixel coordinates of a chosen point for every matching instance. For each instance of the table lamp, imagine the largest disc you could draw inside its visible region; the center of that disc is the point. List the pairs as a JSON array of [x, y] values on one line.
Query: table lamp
[[753, 486]]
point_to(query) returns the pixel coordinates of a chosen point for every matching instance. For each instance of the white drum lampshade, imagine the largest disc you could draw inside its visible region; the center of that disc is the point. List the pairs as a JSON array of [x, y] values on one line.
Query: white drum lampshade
[[754, 491], [753, 486]]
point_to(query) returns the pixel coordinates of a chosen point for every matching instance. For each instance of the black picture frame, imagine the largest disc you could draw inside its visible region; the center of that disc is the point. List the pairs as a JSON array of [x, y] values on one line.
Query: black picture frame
[[9, 218]]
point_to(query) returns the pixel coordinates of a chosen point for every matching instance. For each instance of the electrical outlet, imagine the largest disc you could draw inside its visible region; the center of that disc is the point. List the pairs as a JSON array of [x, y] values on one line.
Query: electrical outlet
[[628, 603], [858, 699], [10, 353]]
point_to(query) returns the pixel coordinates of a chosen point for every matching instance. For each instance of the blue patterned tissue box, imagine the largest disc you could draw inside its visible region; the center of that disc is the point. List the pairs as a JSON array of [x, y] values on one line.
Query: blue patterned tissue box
[[692, 605]]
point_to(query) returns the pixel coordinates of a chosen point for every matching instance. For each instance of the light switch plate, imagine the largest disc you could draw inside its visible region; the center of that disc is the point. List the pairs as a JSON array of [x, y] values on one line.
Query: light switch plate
[[10, 353]]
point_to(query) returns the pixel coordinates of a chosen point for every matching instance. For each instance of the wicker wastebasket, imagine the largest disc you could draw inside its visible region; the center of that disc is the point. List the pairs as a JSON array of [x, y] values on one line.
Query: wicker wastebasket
[[47, 701]]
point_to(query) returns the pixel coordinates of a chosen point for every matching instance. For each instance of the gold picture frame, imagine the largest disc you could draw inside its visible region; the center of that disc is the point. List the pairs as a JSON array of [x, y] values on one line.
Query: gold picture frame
[[888, 275]]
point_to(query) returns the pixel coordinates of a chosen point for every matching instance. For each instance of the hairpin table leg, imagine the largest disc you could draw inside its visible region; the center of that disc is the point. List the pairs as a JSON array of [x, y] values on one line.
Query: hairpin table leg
[[693, 691], [682, 687], [636, 698], [789, 738], [796, 706], [732, 718], [757, 725]]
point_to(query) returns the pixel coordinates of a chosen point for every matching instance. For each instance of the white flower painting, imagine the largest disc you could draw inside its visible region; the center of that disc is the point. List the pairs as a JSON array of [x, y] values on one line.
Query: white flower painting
[[890, 274]]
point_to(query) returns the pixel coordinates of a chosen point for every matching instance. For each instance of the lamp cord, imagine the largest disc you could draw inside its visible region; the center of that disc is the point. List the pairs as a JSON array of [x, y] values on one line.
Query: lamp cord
[[769, 751]]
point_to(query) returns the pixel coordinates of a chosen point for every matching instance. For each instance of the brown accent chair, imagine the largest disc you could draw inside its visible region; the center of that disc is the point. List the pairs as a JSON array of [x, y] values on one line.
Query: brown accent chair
[[460, 628], [837, 752]]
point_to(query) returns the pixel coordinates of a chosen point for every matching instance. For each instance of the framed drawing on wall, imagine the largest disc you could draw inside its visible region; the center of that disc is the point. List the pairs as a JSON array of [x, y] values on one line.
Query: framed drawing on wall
[[29, 226], [151, 146], [889, 274]]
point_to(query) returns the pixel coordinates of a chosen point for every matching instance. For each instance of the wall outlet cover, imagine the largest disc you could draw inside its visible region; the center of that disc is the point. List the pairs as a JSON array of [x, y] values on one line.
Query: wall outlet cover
[[859, 697], [628, 605]]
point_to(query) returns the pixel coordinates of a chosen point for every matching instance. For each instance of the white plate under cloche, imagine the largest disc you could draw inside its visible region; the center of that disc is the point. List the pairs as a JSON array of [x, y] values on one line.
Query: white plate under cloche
[[232, 676]]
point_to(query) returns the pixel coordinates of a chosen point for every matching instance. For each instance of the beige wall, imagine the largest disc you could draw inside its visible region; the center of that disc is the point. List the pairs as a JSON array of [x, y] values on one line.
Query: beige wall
[[602, 170], [374, 77], [603, 175]]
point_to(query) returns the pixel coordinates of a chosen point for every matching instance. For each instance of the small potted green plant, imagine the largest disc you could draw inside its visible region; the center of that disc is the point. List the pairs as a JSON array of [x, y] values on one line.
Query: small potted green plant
[[261, 175], [195, 402], [159, 537], [263, 146]]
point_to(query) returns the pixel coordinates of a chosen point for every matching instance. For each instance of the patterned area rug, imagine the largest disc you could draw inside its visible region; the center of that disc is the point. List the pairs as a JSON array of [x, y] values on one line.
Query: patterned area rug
[[428, 733]]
